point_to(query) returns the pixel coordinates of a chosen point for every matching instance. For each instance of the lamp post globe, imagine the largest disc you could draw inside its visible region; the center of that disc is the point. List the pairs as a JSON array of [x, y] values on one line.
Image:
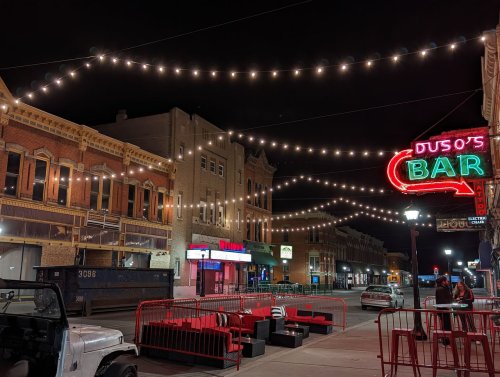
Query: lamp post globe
[[411, 215]]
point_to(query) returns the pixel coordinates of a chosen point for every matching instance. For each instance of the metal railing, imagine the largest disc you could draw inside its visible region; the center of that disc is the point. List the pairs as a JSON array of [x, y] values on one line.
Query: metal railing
[[463, 341]]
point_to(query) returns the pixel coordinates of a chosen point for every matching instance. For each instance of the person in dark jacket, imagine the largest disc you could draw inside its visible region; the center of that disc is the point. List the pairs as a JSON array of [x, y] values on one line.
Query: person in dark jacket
[[443, 296]]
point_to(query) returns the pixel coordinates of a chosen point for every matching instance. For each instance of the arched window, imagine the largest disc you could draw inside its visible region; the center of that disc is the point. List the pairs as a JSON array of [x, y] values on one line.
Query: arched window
[[265, 197], [249, 191], [249, 228]]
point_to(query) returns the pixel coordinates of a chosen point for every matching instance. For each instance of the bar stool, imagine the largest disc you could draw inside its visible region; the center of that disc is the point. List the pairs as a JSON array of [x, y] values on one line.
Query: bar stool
[[412, 349], [451, 336], [483, 339]]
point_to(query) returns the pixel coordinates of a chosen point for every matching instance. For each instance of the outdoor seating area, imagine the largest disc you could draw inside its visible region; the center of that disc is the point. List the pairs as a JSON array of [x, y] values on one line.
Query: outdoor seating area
[[219, 330], [459, 340]]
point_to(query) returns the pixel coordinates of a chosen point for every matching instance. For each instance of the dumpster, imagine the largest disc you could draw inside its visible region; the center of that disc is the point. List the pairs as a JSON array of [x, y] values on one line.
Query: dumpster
[[88, 289]]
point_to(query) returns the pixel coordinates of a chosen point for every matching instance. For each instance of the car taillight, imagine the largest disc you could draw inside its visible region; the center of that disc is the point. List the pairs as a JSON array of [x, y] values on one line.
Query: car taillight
[[387, 298], [364, 294]]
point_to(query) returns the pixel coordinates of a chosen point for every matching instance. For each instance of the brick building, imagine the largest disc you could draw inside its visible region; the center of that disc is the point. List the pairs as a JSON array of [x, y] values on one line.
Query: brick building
[[208, 194], [257, 216], [333, 256], [72, 195], [399, 268]]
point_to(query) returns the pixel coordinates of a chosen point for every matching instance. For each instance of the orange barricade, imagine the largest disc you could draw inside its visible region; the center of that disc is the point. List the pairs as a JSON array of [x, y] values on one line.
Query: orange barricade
[[457, 340], [169, 329]]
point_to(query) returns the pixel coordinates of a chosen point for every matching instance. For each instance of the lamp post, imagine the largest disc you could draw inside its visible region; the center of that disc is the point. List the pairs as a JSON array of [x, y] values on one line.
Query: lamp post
[[418, 330], [459, 264], [448, 255], [345, 276], [202, 285]]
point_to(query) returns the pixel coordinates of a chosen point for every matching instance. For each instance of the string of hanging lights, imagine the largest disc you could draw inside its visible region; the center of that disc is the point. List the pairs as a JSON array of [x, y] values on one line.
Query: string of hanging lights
[[254, 74]]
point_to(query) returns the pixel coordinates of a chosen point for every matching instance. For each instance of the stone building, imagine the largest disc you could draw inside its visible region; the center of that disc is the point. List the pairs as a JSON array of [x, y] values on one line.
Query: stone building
[[258, 217], [490, 246], [327, 255], [208, 194], [74, 196]]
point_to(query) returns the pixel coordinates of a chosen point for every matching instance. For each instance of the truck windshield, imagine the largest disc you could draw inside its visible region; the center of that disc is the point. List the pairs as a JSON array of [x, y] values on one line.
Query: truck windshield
[[42, 302]]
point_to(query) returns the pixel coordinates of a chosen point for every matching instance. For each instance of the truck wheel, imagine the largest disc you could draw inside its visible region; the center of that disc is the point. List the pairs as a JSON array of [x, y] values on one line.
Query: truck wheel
[[121, 370]]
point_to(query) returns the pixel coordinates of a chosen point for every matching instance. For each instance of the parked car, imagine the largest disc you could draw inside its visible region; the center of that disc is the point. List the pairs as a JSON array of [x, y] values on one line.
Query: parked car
[[382, 296], [36, 340], [393, 284]]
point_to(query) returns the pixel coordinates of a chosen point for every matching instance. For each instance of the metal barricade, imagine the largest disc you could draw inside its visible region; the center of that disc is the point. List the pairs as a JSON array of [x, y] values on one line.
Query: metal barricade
[[334, 308], [167, 329], [457, 340], [257, 300], [221, 303]]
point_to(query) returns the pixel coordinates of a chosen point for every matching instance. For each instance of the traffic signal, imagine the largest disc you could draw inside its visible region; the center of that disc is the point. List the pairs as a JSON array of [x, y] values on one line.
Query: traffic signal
[[436, 270]]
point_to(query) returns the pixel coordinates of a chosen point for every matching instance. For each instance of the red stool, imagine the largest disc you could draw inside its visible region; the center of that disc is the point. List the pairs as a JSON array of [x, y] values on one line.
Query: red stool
[[412, 349], [474, 337], [451, 336]]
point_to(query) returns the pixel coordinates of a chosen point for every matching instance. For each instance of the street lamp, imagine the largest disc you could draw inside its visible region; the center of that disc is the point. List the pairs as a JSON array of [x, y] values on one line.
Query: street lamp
[[418, 330], [448, 255]]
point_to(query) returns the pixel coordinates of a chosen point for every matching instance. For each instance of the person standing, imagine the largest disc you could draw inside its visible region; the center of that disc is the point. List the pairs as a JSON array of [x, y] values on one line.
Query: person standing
[[443, 296], [463, 295]]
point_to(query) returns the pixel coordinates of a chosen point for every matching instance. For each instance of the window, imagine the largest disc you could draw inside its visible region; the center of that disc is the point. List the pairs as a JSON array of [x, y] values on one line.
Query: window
[[212, 166], [212, 214], [314, 264], [256, 196], [238, 219], [131, 201], [40, 179], [220, 216], [240, 177], [159, 210], [100, 193], [177, 268], [64, 175], [258, 230], [203, 162], [265, 197], [265, 231], [249, 229], [181, 152], [105, 193], [146, 205], [249, 191], [179, 206], [285, 235], [221, 169], [314, 235], [203, 212], [12, 175]]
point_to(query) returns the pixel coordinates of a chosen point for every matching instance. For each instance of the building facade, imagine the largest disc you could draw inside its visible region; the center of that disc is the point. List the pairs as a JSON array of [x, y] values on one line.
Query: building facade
[[74, 196], [208, 195], [258, 217], [336, 257], [490, 250], [399, 267]]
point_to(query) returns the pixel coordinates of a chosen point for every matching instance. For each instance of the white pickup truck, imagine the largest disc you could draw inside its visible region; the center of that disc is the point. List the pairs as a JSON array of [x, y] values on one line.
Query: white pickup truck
[[36, 340]]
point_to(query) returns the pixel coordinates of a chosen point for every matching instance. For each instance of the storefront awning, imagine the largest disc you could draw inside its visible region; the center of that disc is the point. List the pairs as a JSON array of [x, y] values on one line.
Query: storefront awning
[[259, 257], [258, 246]]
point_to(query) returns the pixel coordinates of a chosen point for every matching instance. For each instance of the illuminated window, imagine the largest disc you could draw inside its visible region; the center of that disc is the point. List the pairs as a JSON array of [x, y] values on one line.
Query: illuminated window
[[314, 263], [100, 193], [12, 175]]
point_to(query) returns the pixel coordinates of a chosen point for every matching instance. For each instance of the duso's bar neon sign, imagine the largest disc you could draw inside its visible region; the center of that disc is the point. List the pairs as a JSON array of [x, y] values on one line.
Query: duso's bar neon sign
[[442, 163]]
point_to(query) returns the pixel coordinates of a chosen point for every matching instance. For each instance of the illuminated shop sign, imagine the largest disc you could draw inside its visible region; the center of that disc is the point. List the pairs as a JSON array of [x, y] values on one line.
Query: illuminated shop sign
[[443, 163], [230, 256], [286, 252], [231, 246], [197, 254]]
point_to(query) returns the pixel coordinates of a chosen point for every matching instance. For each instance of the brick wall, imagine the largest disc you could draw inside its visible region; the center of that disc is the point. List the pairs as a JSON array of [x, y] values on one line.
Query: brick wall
[[58, 255]]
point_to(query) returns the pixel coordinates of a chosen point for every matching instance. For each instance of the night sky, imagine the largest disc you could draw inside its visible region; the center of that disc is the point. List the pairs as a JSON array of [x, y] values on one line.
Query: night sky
[[267, 35]]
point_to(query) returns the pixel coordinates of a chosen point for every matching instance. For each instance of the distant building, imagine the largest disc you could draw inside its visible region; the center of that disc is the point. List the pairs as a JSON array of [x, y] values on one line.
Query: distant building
[[398, 265], [74, 196], [327, 255], [208, 194]]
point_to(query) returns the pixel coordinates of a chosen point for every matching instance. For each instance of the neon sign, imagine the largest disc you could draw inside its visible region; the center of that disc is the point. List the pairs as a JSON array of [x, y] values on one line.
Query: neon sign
[[442, 163]]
